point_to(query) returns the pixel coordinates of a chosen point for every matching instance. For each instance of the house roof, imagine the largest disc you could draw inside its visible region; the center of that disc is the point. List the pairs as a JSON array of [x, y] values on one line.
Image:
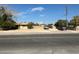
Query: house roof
[[22, 24]]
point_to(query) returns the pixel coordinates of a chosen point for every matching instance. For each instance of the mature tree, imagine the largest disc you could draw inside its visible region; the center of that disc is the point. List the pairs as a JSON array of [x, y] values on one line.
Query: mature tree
[[61, 23], [75, 21], [6, 18]]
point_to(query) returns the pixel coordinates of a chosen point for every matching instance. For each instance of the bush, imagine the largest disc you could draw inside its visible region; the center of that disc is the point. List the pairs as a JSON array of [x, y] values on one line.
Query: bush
[[30, 25], [71, 27], [8, 25]]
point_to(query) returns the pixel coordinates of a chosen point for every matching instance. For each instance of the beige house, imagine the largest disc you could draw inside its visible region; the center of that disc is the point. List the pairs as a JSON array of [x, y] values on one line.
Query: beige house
[[22, 25]]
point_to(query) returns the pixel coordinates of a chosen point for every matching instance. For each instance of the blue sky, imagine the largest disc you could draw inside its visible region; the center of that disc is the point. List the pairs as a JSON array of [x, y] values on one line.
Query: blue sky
[[43, 13]]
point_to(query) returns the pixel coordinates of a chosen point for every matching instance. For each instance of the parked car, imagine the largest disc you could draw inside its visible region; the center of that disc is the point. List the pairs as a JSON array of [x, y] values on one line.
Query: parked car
[[46, 27]]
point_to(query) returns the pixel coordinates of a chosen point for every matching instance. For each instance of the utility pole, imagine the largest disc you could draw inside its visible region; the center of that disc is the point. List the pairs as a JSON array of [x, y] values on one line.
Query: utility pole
[[66, 14]]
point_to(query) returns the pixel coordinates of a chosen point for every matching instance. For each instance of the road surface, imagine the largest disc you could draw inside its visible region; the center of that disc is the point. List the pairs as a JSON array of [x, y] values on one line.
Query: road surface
[[40, 44]]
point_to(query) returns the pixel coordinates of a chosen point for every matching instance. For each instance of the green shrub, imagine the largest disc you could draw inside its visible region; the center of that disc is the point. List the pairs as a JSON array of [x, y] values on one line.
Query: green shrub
[[30, 25]]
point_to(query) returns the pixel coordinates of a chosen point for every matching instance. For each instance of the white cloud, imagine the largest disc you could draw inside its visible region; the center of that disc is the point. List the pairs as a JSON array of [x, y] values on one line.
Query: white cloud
[[19, 13], [38, 9], [40, 22], [27, 12], [22, 13]]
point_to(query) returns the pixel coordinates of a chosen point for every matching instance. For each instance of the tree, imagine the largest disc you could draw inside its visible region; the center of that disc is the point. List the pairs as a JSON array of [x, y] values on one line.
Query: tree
[[60, 24], [75, 21], [6, 19]]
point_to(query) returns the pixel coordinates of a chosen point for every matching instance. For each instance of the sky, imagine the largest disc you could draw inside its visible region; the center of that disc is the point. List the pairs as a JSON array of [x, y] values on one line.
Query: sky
[[43, 13]]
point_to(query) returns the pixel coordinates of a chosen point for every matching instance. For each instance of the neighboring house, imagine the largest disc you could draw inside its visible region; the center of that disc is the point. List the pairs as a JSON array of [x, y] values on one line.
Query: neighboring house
[[41, 27], [22, 25], [77, 28]]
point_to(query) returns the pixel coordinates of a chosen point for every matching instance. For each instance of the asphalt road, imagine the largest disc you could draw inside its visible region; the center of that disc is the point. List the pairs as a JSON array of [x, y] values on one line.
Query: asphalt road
[[39, 44]]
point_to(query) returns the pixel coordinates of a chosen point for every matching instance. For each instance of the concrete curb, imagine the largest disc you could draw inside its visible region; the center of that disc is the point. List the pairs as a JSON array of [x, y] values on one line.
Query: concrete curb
[[31, 33]]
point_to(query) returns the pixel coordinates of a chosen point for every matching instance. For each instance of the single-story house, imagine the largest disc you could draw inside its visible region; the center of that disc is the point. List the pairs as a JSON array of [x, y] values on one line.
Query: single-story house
[[22, 25]]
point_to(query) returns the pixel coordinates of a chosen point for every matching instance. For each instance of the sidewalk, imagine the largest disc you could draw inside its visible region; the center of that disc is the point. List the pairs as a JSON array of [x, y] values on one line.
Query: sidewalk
[[31, 31]]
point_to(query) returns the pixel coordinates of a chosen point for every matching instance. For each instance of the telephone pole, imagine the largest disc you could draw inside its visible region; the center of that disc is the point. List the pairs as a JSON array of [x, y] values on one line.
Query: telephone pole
[[66, 14]]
